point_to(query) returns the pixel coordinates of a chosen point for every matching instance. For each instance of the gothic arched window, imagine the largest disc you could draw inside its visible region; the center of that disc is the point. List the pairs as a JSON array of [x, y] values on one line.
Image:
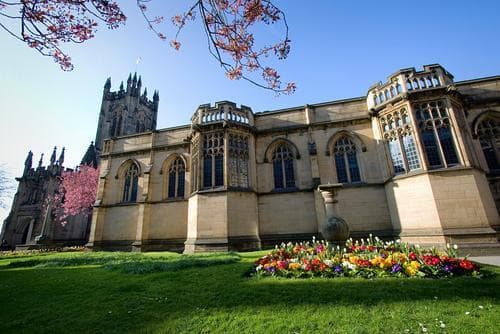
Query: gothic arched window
[[284, 177], [176, 182], [437, 139], [131, 178], [346, 162], [213, 160], [488, 132]]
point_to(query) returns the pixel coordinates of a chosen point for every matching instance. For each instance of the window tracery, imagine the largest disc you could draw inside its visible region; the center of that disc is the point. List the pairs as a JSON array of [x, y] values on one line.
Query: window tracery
[[283, 170], [238, 161], [346, 162], [488, 132], [437, 139], [213, 160], [176, 180], [397, 131], [130, 183]]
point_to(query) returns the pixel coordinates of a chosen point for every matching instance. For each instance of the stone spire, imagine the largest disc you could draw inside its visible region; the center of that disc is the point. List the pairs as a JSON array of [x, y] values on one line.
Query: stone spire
[[53, 156], [28, 162], [107, 85], [61, 157], [40, 162], [90, 157]]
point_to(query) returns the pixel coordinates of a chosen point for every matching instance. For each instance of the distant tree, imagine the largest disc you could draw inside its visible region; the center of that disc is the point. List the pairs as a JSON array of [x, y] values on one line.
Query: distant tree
[[76, 194], [229, 25], [6, 187]]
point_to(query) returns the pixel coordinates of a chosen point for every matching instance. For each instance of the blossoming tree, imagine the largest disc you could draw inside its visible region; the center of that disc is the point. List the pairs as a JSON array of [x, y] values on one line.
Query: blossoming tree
[[76, 194], [230, 27]]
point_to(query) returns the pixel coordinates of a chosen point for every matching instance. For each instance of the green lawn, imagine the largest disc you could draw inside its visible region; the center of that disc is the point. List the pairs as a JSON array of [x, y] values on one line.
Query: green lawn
[[170, 293]]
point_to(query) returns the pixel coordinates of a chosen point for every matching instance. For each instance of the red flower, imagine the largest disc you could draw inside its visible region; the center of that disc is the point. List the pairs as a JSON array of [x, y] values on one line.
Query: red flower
[[364, 263], [431, 260], [282, 264], [413, 256], [467, 265]]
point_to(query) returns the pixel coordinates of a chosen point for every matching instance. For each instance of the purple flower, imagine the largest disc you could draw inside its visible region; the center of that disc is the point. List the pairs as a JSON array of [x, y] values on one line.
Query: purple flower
[[448, 267], [338, 269], [271, 269], [396, 268]]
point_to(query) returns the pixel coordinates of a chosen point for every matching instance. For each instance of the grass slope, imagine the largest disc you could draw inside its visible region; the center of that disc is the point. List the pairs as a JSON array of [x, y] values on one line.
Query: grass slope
[[169, 293]]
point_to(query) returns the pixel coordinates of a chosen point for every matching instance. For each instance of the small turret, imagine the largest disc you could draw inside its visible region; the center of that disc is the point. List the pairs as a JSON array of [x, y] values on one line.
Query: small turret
[[145, 93], [28, 162], [139, 84], [60, 161], [121, 86], [53, 156], [156, 96]]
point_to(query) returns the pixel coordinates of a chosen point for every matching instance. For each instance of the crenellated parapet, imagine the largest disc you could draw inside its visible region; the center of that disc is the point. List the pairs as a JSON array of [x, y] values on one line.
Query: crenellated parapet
[[406, 81], [133, 89], [223, 111]]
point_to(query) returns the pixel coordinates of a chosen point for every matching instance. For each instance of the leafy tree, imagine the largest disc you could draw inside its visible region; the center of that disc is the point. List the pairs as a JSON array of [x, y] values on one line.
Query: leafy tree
[[230, 27], [76, 194]]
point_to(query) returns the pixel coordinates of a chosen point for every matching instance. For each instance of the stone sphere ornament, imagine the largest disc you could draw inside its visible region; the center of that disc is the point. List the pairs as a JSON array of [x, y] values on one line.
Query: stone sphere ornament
[[335, 230]]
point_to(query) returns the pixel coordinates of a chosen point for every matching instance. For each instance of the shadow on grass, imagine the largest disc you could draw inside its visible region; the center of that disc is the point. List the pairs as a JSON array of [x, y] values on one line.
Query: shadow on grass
[[197, 287], [128, 262]]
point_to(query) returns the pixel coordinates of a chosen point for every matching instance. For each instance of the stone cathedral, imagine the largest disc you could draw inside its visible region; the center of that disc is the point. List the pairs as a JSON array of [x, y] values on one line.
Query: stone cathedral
[[416, 158], [30, 223]]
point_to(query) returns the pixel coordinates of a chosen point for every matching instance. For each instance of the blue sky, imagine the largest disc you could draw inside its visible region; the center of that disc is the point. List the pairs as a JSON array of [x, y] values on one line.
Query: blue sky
[[339, 49]]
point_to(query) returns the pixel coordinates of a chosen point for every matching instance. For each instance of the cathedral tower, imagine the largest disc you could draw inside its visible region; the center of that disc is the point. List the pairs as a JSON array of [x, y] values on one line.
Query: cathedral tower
[[126, 111]]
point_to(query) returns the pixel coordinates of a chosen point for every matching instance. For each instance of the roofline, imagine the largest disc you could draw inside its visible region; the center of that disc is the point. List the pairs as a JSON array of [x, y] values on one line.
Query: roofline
[[465, 82], [177, 127], [315, 105]]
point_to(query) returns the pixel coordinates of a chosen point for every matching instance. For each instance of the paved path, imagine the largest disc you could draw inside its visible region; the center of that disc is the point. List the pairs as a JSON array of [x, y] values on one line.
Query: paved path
[[493, 259]]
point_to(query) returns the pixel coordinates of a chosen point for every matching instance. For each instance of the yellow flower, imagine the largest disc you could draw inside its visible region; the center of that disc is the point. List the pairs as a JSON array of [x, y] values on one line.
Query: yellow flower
[[411, 268], [415, 264], [353, 259], [385, 263], [294, 266], [376, 260]]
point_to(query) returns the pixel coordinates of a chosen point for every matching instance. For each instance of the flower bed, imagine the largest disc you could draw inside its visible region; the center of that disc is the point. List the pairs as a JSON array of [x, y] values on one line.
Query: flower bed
[[365, 258]]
